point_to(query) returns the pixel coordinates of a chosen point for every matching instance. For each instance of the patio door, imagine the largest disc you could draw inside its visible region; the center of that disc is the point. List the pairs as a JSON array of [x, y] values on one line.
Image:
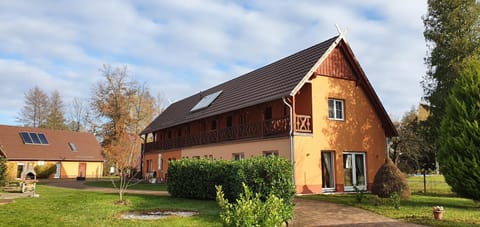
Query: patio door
[[354, 171], [328, 171]]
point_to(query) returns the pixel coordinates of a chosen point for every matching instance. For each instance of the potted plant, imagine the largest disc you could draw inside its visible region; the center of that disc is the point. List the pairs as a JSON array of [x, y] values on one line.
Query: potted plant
[[438, 212]]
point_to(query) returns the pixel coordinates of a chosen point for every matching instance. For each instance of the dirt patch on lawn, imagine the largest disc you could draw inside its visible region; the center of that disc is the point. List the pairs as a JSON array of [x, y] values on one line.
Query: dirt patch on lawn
[[6, 201], [157, 214]]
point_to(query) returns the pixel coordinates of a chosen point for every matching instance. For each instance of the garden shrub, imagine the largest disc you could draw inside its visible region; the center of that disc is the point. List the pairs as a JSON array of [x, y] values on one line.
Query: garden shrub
[[389, 180], [251, 210], [3, 170], [45, 171], [197, 178]]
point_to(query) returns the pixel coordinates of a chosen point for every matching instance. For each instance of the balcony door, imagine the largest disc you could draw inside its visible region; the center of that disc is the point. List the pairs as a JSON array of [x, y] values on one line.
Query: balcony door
[[354, 171], [328, 171]]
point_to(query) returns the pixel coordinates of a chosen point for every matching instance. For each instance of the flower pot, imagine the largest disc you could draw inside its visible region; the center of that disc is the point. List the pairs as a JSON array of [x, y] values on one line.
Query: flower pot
[[438, 215]]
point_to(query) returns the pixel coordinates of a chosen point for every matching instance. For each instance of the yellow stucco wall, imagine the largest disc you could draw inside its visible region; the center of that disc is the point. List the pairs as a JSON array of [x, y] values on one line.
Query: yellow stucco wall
[[70, 169], [361, 131], [248, 148]]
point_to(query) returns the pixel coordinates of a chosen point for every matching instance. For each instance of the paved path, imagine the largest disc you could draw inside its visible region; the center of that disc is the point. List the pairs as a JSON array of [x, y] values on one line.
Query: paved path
[[307, 212]]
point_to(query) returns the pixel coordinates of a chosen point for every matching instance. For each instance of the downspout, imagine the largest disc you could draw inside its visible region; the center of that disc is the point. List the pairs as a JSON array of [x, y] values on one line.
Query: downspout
[[292, 150], [142, 153]]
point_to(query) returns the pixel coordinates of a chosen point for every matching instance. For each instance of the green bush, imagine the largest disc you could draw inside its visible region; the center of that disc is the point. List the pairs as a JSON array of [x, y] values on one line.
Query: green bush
[[45, 171], [3, 170], [388, 180], [197, 178], [251, 210], [396, 199]]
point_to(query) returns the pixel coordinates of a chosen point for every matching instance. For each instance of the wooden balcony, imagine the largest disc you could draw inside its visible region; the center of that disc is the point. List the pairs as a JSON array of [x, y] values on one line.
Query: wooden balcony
[[266, 129], [303, 123]]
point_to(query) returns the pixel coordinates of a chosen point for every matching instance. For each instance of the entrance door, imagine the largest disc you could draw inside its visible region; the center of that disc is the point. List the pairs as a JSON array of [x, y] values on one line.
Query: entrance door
[[354, 171], [328, 171], [57, 171], [82, 169]]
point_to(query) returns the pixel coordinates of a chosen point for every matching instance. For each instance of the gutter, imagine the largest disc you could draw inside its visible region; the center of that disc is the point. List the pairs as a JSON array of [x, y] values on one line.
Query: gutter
[[292, 150]]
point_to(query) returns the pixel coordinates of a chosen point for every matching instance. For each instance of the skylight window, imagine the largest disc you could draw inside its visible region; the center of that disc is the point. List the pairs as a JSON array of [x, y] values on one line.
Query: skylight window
[[206, 101], [33, 138], [72, 146]]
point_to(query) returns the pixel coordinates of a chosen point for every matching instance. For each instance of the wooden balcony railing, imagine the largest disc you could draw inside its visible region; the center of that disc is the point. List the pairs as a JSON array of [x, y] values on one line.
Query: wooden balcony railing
[[265, 129], [303, 123]]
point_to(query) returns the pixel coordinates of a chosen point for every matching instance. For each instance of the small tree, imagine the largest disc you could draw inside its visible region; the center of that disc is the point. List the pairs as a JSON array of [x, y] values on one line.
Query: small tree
[[127, 153], [459, 154]]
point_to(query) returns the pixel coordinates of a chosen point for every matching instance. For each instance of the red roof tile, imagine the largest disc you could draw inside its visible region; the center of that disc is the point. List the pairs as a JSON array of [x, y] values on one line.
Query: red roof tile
[[265, 84], [279, 79], [57, 149]]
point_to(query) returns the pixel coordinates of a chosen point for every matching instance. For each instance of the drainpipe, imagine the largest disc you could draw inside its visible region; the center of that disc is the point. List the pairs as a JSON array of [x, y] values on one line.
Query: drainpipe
[[292, 150], [142, 154]]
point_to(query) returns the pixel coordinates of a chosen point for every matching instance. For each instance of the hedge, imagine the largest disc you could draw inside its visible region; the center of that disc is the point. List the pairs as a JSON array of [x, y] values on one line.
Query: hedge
[[197, 178]]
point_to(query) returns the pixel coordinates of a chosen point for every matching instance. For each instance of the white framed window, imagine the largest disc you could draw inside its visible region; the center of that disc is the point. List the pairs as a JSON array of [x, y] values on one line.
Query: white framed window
[[238, 156], [335, 109]]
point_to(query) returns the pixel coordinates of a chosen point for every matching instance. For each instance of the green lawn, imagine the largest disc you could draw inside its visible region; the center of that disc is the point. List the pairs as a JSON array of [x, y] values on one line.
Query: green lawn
[[435, 185], [140, 186], [70, 207], [418, 209]]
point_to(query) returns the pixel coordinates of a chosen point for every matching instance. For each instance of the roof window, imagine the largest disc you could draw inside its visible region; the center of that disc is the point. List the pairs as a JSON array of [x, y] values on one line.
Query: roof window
[[206, 101], [72, 146], [33, 138]]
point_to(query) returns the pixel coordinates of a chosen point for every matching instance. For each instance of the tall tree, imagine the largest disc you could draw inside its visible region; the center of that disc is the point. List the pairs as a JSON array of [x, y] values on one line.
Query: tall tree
[[77, 115], [35, 111], [459, 153], [411, 151], [56, 114], [124, 107], [451, 33]]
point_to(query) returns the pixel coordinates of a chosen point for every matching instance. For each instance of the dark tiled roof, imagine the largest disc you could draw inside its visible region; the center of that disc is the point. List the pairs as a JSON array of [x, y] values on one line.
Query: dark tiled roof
[[268, 83], [88, 148]]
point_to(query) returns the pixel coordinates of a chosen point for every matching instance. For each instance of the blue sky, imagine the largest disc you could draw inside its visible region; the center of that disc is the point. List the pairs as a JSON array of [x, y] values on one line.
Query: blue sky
[[181, 47]]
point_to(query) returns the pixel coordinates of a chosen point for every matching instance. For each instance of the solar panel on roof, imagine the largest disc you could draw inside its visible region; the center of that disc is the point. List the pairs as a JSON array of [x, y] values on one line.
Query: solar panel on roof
[[26, 138], [35, 138], [43, 138], [206, 101]]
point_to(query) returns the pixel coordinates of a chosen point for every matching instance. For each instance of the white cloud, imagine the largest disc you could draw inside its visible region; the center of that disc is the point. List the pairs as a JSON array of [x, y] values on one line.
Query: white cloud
[[182, 48]]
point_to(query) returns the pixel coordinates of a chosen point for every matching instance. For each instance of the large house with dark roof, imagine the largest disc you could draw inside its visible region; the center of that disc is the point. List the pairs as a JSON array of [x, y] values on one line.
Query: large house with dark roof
[[315, 107], [75, 154]]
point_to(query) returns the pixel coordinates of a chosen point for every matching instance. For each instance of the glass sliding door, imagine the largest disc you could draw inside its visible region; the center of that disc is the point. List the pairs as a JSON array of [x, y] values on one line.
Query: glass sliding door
[[328, 171], [354, 171]]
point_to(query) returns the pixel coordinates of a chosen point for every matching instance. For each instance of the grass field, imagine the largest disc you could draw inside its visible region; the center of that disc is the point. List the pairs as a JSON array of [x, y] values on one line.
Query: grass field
[[435, 184], [140, 186], [418, 209], [70, 207]]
